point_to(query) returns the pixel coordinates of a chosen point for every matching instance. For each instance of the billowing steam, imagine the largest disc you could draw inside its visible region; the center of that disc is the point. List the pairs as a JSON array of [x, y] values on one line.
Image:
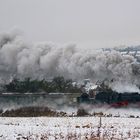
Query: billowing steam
[[21, 59]]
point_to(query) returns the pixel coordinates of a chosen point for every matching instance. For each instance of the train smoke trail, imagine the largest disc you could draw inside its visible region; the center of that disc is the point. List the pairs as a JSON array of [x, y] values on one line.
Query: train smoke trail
[[21, 59]]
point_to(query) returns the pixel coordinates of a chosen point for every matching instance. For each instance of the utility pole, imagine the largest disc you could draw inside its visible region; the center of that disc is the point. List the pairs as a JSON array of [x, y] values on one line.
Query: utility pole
[[100, 124]]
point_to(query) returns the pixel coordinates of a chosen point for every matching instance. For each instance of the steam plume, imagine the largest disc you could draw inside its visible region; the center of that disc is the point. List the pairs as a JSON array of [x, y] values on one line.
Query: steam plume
[[21, 59]]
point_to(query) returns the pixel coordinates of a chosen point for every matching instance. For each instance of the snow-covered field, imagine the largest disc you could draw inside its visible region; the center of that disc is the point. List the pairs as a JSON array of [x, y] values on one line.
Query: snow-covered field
[[69, 128]]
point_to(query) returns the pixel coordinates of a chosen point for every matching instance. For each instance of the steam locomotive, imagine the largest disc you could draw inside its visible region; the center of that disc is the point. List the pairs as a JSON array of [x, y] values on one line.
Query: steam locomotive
[[105, 95]]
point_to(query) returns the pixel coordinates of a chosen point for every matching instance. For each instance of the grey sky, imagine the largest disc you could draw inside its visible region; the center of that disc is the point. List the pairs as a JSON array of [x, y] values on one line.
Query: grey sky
[[88, 23]]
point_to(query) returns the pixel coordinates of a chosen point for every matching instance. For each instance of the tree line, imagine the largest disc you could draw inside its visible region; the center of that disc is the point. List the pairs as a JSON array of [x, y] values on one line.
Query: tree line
[[57, 84]]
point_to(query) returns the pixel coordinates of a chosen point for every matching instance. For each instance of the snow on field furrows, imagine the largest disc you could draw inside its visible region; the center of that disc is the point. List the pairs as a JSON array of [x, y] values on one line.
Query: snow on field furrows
[[69, 128]]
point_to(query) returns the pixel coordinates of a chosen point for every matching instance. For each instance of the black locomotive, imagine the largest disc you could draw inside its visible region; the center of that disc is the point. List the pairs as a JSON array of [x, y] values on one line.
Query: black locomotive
[[110, 97]]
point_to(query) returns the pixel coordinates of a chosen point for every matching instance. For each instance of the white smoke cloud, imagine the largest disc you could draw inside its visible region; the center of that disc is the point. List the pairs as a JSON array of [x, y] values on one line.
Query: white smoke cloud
[[125, 87], [44, 60]]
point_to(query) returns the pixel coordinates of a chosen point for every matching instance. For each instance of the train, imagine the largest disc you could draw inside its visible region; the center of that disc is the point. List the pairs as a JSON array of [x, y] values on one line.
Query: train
[[110, 97], [114, 99]]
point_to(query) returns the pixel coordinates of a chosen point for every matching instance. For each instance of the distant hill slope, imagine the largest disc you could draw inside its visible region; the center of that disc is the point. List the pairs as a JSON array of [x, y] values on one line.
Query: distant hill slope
[[127, 50]]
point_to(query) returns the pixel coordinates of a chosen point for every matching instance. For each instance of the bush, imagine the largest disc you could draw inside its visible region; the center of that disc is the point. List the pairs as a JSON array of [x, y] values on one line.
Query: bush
[[82, 112], [32, 112]]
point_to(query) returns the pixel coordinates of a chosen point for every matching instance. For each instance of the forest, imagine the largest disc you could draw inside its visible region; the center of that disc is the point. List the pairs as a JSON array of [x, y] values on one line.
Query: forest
[[57, 84]]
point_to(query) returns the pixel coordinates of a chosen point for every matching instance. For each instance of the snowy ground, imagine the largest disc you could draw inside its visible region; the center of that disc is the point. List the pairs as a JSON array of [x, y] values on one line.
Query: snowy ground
[[71, 128]]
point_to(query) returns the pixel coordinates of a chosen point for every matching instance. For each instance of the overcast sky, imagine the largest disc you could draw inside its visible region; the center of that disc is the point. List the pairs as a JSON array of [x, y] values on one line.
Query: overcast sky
[[88, 23]]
